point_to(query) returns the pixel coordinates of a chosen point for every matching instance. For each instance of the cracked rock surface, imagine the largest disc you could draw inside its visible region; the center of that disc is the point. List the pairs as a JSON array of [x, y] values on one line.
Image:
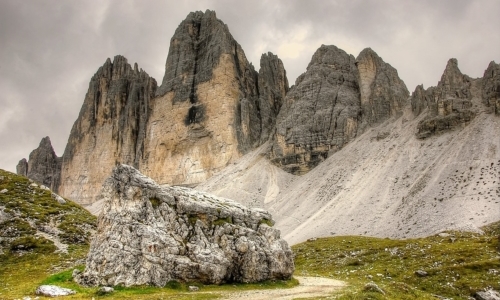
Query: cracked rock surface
[[152, 234]]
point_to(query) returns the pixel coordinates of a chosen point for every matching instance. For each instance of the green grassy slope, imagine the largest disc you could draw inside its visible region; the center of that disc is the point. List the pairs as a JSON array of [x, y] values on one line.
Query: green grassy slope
[[31, 219], [458, 265]]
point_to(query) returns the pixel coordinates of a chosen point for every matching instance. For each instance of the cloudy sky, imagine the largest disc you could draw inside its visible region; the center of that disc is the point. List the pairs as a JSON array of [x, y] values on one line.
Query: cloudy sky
[[49, 49]]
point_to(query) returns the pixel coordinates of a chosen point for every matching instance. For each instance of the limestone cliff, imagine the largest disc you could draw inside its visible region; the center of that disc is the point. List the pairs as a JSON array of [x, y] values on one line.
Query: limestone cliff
[[211, 108], [110, 128], [382, 93], [491, 87], [206, 113], [43, 165], [448, 104], [152, 234], [273, 87], [331, 103]]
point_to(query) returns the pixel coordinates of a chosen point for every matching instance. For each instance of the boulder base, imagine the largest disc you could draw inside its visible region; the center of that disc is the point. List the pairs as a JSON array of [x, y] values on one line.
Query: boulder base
[[152, 234]]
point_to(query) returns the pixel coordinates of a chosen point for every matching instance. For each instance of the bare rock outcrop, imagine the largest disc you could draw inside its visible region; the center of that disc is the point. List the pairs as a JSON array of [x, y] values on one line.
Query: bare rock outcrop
[[448, 104], [383, 94], [22, 167], [273, 87], [43, 165], [491, 87], [331, 103], [206, 112], [150, 234], [110, 128]]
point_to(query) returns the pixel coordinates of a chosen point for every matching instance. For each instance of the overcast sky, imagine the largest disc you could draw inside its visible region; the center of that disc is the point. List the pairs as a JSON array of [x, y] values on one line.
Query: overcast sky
[[49, 49]]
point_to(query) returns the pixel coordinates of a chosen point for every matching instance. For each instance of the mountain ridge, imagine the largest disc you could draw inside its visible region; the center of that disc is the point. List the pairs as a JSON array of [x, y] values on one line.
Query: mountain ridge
[[213, 111]]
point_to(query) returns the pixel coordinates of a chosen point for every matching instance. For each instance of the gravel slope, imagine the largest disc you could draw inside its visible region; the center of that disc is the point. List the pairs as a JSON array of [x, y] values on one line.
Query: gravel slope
[[386, 183]]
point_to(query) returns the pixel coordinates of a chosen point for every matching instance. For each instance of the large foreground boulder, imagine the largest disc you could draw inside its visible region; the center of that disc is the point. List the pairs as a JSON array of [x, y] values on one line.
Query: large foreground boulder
[[152, 234]]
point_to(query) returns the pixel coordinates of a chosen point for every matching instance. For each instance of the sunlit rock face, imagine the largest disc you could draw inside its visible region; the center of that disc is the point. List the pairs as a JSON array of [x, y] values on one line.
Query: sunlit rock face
[[211, 108]]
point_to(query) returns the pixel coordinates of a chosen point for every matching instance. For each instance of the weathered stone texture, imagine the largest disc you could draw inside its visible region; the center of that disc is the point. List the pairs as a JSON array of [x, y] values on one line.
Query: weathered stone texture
[[491, 87], [320, 112], [43, 165], [273, 87], [448, 104], [22, 167], [111, 128], [205, 115], [383, 94], [151, 234], [331, 104]]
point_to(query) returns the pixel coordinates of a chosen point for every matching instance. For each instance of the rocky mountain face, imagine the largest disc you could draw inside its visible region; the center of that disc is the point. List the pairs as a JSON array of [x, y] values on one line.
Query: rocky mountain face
[[388, 182], [206, 113], [371, 159], [491, 87], [331, 103], [151, 234], [273, 87], [211, 108], [448, 104], [44, 166], [110, 128]]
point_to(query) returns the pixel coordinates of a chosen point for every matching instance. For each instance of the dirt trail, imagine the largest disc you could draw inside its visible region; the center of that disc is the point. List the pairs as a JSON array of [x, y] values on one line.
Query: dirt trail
[[308, 287]]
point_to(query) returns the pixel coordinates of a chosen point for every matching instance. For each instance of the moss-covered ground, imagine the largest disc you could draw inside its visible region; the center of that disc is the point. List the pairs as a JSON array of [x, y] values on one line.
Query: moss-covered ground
[[457, 265]]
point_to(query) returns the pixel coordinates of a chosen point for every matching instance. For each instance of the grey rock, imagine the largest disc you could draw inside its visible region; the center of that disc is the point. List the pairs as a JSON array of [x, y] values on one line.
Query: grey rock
[[4, 191], [53, 291], [75, 273], [198, 43], [421, 273], [383, 94], [118, 97], [43, 166], [152, 234], [273, 87], [373, 287], [320, 113], [193, 288], [103, 290], [335, 100], [22, 167], [491, 87], [487, 295], [58, 198], [448, 104]]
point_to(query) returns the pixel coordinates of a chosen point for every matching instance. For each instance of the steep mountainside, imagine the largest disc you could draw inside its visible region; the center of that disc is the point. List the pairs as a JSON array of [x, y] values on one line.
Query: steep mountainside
[[333, 102], [211, 108], [44, 166], [346, 150], [385, 183]]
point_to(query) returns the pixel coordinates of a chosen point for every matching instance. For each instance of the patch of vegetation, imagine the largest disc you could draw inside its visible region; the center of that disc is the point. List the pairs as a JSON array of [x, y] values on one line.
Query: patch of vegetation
[[457, 264], [29, 208], [192, 219], [155, 202], [15, 228], [27, 243], [268, 222], [222, 221]]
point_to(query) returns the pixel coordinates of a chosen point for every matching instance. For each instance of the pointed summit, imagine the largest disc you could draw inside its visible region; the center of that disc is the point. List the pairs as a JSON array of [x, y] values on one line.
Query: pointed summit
[[43, 165]]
